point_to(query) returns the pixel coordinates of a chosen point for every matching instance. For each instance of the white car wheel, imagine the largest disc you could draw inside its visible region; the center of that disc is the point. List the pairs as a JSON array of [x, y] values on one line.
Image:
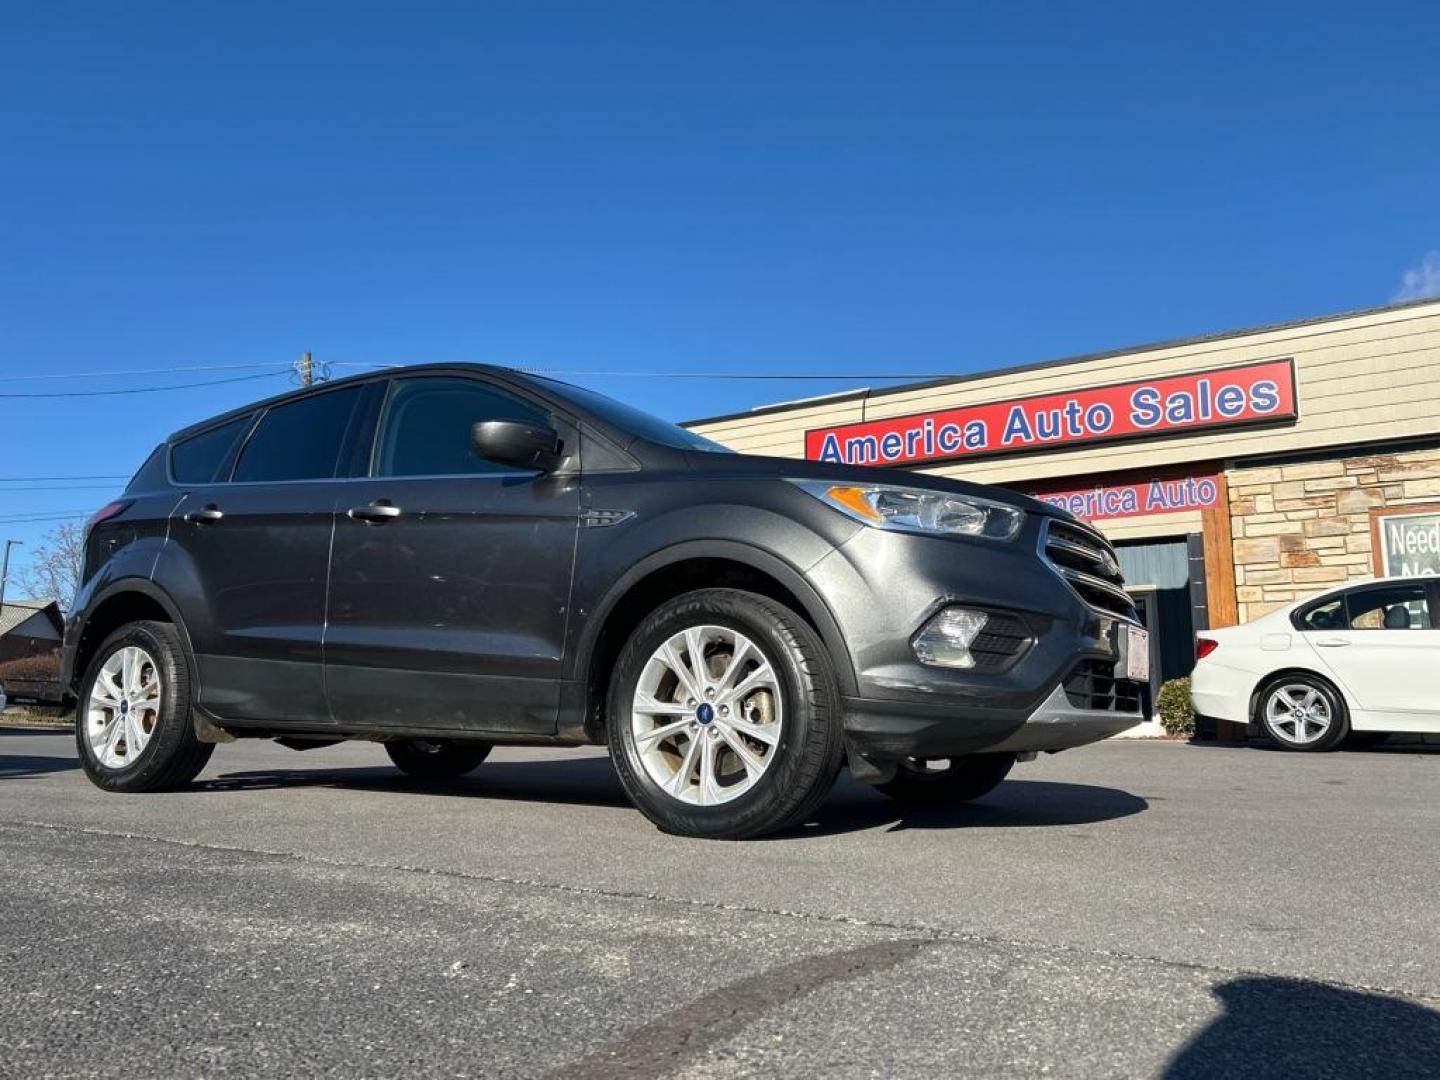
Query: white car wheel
[[1302, 712]]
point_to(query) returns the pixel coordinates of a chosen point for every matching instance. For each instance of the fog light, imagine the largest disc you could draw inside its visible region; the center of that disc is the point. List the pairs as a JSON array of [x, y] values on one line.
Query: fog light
[[945, 640]]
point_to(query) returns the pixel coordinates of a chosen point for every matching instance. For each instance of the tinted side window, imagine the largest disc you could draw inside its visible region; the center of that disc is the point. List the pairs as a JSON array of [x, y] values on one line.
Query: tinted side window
[[1327, 616], [198, 458], [299, 441], [1389, 607], [426, 427]]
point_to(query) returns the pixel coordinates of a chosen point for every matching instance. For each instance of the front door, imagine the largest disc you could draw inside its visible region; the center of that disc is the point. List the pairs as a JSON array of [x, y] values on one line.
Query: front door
[[1384, 649], [255, 547], [450, 577]]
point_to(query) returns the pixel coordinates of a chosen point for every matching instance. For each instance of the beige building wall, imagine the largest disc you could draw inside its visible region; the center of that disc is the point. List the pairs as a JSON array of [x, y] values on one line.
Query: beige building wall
[[1300, 528], [1363, 377], [1366, 376]]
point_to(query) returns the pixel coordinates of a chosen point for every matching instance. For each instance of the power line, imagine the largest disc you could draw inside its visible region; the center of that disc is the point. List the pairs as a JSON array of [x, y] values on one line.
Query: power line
[[88, 476], [135, 371], [151, 389], [61, 487], [1197, 346], [59, 515]]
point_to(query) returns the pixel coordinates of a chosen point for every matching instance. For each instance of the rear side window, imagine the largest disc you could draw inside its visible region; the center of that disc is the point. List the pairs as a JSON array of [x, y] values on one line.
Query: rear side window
[[1327, 616], [426, 427], [1389, 607], [299, 441], [197, 459]]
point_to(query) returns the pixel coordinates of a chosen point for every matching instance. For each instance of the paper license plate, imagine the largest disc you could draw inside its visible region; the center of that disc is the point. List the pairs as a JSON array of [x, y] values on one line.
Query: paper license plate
[[1137, 654]]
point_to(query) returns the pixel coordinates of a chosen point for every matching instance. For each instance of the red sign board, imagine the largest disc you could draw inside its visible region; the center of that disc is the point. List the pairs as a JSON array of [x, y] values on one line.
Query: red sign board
[[1156, 496], [1220, 398]]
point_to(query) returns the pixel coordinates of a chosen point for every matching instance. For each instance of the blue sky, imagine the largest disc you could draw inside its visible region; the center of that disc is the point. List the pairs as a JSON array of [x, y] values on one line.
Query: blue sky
[[840, 188]]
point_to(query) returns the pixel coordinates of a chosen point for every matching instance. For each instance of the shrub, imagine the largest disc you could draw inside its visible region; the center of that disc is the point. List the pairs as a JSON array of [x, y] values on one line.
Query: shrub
[[38, 667], [1177, 712]]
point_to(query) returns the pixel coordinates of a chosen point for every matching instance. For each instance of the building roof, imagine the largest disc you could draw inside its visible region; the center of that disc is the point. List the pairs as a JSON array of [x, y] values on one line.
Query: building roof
[[15, 612], [1017, 369]]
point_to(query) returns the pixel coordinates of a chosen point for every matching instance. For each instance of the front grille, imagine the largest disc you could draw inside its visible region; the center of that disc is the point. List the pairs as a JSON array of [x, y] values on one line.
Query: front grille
[[1092, 685], [1002, 640], [1087, 562]]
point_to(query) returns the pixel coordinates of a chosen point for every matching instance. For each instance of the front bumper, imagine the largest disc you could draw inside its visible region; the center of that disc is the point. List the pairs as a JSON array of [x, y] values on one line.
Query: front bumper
[[884, 587], [879, 734]]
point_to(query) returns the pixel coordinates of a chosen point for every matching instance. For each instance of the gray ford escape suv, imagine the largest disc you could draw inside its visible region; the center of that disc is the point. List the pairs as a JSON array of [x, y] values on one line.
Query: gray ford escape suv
[[445, 558]]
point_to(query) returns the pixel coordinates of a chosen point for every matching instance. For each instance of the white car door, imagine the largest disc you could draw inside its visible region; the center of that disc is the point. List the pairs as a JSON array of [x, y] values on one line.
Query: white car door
[[1383, 647]]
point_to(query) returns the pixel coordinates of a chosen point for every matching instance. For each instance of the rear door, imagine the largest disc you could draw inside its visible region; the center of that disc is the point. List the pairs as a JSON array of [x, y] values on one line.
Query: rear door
[[254, 548], [450, 580], [1385, 650]]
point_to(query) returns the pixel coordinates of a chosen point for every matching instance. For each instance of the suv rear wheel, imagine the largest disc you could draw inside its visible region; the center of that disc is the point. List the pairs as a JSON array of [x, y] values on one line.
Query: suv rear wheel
[[947, 781], [133, 727], [723, 716], [436, 759]]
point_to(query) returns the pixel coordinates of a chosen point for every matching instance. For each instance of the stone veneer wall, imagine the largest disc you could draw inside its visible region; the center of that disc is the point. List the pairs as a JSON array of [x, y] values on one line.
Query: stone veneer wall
[[1298, 528]]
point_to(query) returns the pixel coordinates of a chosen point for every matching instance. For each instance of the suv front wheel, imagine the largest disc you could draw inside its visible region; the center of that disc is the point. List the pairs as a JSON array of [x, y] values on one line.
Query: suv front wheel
[[133, 728], [724, 717]]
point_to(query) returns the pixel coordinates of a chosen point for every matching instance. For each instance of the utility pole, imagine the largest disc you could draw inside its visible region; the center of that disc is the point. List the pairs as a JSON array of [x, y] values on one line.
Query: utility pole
[[5, 568], [307, 369]]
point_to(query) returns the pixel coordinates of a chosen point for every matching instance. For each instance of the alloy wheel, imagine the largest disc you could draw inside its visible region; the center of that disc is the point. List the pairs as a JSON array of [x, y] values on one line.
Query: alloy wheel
[[707, 715], [123, 709], [1298, 713]]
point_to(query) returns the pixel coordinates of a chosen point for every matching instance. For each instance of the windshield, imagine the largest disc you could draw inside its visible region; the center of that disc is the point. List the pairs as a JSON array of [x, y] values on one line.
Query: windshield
[[648, 427]]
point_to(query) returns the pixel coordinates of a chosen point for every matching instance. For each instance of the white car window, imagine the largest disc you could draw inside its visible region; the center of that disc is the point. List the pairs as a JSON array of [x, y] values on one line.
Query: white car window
[[1327, 616], [1388, 607]]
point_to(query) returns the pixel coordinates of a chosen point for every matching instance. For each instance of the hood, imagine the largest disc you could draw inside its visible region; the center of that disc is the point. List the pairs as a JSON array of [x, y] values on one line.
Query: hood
[[797, 469]]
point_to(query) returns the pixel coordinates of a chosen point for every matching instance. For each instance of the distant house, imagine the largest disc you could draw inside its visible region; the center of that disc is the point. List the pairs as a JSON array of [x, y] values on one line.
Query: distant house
[[30, 635], [29, 627]]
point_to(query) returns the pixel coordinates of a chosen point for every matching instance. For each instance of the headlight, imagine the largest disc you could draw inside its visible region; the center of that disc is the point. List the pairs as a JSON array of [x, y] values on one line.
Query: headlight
[[886, 506]]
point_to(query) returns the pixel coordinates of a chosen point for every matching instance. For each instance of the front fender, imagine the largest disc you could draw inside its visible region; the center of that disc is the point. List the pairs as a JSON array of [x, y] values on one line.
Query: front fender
[[789, 574]]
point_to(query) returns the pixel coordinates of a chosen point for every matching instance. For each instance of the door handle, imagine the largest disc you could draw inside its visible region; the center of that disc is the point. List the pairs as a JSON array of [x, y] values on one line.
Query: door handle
[[375, 513], [1331, 642], [206, 515]]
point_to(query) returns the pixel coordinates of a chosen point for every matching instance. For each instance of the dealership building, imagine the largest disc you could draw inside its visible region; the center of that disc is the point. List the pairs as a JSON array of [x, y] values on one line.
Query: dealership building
[[1234, 472]]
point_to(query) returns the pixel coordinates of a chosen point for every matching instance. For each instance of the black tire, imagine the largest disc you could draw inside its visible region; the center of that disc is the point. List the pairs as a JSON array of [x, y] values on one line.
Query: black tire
[[808, 752], [436, 759], [964, 779], [1276, 735], [173, 755]]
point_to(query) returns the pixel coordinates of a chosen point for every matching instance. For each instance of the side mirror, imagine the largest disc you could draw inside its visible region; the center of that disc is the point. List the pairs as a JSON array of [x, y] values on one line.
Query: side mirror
[[516, 442]]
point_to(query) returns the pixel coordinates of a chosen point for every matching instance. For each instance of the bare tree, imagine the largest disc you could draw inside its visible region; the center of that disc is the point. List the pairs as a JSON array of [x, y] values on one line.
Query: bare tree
[[54, 566]]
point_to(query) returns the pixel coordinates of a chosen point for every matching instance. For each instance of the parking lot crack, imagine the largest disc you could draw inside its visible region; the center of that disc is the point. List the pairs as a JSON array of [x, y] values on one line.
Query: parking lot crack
[[668, 1043]]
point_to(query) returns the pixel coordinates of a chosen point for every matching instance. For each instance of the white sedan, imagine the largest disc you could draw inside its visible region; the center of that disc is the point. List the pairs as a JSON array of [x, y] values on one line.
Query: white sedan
[[1361, 658]]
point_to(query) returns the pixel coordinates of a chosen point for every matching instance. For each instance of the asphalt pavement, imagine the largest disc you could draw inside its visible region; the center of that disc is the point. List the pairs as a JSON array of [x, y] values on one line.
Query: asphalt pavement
[[1129, 909]]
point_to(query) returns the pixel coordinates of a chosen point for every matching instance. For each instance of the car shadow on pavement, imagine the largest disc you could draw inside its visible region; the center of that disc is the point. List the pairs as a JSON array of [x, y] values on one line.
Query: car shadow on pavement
[[1015, 804], [591, 781], [586, 781], [1294, 1028], [19, 766]]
